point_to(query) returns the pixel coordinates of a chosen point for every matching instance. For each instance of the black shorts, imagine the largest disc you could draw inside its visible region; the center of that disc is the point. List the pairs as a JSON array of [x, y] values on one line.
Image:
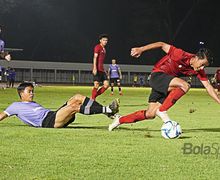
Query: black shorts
[[114, 80], [100, 76], [159, 82], [49, 120]]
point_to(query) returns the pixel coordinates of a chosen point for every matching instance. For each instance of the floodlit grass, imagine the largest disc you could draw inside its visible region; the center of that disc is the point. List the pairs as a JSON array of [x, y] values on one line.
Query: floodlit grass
[[86, 150]]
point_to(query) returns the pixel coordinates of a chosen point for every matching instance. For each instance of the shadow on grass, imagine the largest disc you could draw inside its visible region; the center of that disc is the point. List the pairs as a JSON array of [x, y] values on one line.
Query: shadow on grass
[[133, 105], [202, 130]]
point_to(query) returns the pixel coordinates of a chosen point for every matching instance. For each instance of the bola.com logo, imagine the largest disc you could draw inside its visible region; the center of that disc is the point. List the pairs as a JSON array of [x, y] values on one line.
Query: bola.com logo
[[202, 149]]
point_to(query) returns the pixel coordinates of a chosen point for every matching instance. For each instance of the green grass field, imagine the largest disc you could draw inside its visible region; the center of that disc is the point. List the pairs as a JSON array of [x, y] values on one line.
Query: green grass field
[[86, 150]]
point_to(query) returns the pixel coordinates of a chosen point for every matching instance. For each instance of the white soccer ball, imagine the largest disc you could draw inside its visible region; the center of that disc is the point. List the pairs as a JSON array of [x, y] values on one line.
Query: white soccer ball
[[171, 130]]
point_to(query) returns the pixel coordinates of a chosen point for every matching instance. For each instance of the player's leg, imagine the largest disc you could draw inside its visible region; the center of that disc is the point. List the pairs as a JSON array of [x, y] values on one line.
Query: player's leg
[[84, 105], [119, 86], [95, 89], [140, 115], [105, 81], [112, 87], [177, 88]]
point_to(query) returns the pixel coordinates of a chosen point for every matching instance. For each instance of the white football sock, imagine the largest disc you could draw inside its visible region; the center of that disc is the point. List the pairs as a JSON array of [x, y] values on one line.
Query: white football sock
[[163, 115]]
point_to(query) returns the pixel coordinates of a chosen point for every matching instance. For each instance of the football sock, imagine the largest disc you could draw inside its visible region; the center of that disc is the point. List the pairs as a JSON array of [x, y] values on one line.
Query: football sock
[[133, 117], [163, 115], [112, 89], [90, 106], [171, 99], [101, 90], [94, 93], [119, 88]]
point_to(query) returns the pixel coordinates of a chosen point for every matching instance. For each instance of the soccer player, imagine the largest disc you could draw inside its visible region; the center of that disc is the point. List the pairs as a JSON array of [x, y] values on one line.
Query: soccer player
[[114, 75], [3, 54], [217, 79], [167, 87], [34, 114], [99, 74]]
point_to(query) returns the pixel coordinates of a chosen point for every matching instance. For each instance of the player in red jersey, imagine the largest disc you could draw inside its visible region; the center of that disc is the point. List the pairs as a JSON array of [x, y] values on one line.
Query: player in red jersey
[[166, 85], [98, 71], [217, 80]]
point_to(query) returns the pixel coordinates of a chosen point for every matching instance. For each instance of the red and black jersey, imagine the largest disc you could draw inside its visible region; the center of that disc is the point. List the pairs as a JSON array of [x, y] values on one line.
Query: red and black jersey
[[217, 75], [177, 63], [101, 57]]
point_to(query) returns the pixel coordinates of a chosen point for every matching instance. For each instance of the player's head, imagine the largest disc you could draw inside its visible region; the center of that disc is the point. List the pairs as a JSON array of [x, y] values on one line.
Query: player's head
[[113, 61], [26, 91], [203, 58], [103, 39], [205, 53]]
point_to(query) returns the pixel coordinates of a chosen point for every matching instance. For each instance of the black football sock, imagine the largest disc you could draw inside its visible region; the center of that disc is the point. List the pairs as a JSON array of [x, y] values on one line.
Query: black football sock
[[90, 106]]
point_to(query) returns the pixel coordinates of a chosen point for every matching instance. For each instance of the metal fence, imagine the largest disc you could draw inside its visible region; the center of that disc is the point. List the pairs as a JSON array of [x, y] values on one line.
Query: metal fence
[[79, 73]]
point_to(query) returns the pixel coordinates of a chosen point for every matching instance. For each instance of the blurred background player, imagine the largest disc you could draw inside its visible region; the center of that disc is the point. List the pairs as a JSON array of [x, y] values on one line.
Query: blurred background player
[[6, 73], [98, 71], [114, 75], [11, 77], [3, 54], [135, 80], [167, 86], [217, 80]]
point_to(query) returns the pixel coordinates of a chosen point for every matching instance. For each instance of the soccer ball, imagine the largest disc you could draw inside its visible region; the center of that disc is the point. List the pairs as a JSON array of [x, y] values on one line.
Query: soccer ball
[[171, 130]]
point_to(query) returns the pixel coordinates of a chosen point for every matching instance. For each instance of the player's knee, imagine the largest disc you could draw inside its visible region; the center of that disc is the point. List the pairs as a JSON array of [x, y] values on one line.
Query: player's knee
[[78, 97], [106, 85], [185, 86]]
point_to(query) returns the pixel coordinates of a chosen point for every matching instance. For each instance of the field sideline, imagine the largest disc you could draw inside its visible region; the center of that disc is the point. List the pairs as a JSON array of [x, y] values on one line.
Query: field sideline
[[86, 150]]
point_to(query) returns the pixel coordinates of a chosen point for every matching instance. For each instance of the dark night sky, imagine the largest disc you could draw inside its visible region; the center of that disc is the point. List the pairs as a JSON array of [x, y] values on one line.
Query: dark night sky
[[67, 30]]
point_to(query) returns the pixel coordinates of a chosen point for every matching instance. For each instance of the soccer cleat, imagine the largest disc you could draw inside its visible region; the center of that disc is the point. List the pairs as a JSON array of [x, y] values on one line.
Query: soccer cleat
[[115, 123], [114, 106], [120, 94]]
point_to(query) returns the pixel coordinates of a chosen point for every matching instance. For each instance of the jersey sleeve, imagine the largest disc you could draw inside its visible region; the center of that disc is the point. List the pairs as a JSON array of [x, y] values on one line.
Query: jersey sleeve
[[11, 110], [202, 75], [96, 49]]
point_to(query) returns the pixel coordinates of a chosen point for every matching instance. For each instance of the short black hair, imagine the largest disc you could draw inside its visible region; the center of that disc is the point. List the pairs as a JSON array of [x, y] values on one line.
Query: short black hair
[[103, 36], [205, 53], [22, 87]]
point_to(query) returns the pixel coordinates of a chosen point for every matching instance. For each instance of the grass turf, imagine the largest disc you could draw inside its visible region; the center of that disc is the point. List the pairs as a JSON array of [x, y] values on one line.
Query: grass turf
[[86, 150]]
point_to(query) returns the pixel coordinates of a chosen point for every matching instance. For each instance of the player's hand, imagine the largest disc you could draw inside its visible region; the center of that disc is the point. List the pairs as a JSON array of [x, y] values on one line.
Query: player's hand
[[94, 71], [136, 52], [8, 57]]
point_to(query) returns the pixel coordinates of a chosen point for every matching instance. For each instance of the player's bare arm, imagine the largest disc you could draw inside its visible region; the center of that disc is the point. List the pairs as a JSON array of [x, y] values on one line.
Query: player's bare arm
[[120, 74], [3, 116], [108, 73], [211, 91], [137, 51], [94, 71]]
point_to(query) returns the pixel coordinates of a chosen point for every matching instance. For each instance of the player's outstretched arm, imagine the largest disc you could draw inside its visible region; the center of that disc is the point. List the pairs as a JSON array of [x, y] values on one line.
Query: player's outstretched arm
[[137, 51], [3, 115], [211, 91]]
